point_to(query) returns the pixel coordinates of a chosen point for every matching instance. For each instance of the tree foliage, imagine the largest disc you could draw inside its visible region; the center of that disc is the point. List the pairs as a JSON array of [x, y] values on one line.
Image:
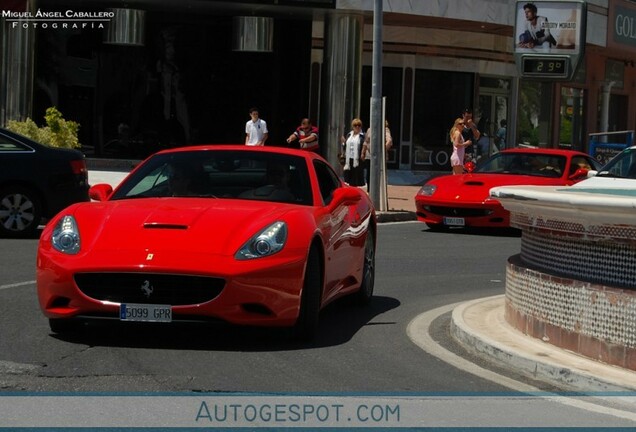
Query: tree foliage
[[57, 132]]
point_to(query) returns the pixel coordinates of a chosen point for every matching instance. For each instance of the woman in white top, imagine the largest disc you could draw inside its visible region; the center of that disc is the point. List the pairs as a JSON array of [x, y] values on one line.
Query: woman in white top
[[352, 150]]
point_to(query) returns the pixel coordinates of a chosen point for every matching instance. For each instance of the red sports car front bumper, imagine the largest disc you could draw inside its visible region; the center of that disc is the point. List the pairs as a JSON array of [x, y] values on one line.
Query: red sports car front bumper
[[489, 213], [263, 291]]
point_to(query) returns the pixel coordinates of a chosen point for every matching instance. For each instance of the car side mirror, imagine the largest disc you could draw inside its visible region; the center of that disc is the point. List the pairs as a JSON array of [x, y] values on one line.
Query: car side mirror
[[347, 195], [100, 192], [580, 173]]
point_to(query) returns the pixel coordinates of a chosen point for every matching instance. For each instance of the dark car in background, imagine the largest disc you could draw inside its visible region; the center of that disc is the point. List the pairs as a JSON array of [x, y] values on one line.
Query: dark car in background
[[36, 182]]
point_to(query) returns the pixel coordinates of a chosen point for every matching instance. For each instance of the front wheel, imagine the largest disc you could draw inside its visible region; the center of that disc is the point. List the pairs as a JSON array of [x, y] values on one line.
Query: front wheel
[[20, 211], [365, 293], [306, 326]]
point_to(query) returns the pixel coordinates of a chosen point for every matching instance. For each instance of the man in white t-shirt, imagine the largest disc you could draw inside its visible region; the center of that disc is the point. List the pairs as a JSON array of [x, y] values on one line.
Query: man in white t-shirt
[[255, 130]]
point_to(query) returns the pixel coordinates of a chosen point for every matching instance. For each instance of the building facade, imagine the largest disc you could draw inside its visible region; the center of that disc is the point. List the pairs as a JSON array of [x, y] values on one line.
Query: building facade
[[154, 74]]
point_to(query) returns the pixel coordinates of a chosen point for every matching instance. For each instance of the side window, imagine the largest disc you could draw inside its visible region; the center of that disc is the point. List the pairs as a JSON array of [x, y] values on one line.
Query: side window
[[580, 162], [328, 181], [10, 146]]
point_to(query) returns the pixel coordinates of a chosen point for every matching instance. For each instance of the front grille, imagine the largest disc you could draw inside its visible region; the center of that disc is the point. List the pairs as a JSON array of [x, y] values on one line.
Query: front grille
[[149, 288], [459, 211]]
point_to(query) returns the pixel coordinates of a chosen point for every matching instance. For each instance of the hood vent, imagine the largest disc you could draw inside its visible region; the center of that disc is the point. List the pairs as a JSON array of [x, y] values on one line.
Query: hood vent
[[165, 226]]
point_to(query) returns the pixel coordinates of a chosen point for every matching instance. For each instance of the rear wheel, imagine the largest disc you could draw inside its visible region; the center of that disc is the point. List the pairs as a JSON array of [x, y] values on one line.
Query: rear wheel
[[368, 271], [306, 325], [20, 211]]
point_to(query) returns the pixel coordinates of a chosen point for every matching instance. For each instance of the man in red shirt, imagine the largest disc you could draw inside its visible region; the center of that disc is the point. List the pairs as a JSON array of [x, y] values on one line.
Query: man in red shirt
[[307, 136]]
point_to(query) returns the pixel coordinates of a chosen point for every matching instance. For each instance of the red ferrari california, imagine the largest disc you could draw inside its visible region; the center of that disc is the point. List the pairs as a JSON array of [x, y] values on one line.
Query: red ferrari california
[[247, 235], [464, 200]]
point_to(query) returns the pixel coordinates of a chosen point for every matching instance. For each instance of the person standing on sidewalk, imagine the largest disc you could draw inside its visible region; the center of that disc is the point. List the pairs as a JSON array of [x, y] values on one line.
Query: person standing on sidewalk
[[352, 150], [459, 146], [366, 151], [255, 130], [307, 136], [469, 131]]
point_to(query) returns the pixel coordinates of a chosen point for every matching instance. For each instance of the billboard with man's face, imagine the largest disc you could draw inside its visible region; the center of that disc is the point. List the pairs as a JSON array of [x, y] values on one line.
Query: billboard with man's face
[[544, 27]]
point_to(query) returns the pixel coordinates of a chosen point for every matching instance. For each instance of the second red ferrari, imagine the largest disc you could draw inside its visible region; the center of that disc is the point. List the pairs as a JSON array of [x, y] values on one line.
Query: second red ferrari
[[464, 200]]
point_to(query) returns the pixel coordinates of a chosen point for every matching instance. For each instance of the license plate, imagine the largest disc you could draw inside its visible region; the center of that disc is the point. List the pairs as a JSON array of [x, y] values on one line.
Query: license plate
[[454, 221], [145, 312]]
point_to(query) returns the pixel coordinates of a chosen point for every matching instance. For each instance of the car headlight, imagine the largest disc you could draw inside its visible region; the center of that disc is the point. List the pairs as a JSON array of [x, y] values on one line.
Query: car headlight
[[66, 237], [427, 190], [267, 242]]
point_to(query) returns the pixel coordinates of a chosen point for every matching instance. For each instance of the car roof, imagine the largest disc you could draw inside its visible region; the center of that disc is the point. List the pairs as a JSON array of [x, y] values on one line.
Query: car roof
[[550, 151], [243, 147]]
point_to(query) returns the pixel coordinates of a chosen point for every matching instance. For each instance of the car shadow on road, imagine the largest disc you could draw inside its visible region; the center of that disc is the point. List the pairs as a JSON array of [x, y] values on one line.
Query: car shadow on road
[[35, 235], [339, 322], [494, 232]]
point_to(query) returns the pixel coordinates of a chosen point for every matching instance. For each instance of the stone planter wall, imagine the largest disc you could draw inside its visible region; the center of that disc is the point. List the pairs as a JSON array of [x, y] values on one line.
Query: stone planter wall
[[593, 320], [573, 285]]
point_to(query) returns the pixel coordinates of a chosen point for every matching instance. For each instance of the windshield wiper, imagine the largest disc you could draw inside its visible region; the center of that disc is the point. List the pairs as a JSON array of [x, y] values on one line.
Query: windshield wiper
[[608, 174]]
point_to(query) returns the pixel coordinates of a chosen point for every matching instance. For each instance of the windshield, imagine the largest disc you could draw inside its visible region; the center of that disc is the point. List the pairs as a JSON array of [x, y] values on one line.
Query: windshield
[[248, 175], [533, 164], [622, 165]]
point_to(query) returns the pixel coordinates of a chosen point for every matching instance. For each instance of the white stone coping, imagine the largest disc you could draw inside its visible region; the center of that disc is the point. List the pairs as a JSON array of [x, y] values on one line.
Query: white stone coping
[[585, 205]]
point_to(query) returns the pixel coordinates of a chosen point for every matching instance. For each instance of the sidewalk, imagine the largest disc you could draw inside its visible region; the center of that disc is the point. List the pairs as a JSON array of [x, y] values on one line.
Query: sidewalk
[[402, 198]]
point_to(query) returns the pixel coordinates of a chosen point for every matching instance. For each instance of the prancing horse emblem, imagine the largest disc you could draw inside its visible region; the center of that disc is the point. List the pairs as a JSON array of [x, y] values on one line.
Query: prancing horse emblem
[[147, 288]]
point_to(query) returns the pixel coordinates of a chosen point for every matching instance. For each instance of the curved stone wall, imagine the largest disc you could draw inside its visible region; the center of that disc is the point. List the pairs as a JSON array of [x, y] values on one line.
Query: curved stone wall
[[594, 320], [573, 284]]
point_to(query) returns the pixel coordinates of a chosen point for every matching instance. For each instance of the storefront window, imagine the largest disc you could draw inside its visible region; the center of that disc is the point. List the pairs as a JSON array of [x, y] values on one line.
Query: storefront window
[[439, 98], [572, 119], [617, 113], [535, 102]]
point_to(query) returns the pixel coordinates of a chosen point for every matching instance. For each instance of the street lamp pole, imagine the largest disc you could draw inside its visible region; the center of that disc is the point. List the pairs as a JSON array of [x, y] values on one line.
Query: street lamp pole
[[377, 124]]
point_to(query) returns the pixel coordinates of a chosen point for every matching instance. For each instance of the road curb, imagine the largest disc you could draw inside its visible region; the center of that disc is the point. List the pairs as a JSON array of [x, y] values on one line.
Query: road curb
[[395, 216], [528, 355]]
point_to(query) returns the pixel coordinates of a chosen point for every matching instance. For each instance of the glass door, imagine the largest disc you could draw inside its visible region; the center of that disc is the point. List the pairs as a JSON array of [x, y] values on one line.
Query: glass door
[[492, 114], [492, 123]]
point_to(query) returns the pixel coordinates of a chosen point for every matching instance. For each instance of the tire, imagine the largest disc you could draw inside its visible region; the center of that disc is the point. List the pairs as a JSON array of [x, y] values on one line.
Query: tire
[[365, 293], [306, 326], [20, 211], [436, 227], [61, 325]]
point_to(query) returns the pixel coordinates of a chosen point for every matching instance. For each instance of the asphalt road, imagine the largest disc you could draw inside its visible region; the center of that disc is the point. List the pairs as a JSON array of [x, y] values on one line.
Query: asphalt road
[[358, 349]]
